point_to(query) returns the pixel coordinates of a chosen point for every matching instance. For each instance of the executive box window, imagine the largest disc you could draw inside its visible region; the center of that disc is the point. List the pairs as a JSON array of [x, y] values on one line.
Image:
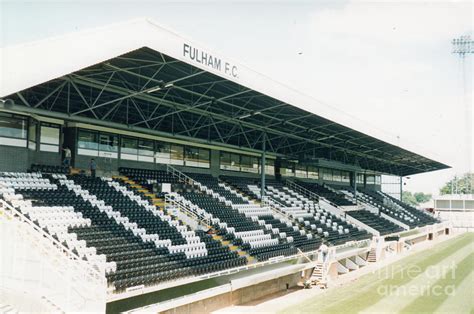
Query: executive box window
[[12, 126], [249, 164], [370, 179], [345, 176], [287, 169], [196, 157], [270, 167], [97, 144], [169, 154], [13, 130], [49, 137], [32, 130], [145, 150], [378, 180], [360, 178], [88, 140], [313, 172], [162, 153], [336, 176], [129, 148], [327, 174], [301, 171], [229, 161], [177, 155]]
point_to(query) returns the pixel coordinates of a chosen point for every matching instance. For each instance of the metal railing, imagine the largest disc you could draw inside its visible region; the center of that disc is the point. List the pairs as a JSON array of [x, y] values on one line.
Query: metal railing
[[271, 204], [85, 269], [170, 201], [180, 175], [302, 190]]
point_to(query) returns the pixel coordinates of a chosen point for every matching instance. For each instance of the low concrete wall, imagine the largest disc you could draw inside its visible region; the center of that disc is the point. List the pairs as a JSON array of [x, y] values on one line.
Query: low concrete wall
[[239, 296]]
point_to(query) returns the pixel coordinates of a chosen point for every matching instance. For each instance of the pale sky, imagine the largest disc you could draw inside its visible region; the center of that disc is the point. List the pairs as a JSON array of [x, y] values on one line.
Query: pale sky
[[388, 63]]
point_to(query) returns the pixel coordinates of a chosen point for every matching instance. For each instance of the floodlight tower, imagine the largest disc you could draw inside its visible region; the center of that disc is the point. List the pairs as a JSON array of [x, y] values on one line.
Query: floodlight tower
[[463, 47]]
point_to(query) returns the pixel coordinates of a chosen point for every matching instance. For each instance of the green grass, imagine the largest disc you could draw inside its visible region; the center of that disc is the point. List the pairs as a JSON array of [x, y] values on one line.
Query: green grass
[[365, 293]]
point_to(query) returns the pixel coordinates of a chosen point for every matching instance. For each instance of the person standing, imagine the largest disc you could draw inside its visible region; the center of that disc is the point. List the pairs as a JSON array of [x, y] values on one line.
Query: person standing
[[67, 157], [93, 167], [324, 252]]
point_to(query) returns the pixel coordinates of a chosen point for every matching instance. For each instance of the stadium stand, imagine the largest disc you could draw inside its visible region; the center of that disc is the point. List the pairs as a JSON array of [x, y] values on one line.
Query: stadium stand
[[105, 223], [327, 192], [332, 229], [380, 224], [401, 212]]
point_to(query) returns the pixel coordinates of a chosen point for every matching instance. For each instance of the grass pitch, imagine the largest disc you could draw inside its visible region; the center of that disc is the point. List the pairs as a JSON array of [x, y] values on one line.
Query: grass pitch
[[437, 280]]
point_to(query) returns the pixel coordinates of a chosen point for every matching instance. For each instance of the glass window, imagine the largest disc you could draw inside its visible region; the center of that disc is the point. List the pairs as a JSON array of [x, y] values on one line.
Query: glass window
[[192, 156], [225, 161], [12, 126], [345, 176], [249, 164], [32, 134], [49, 134], [313, 172], [177, 155], [336, 176], [162, 153], [88, 139], [360, 178], [108, 142], [145, 148], [204, 158], [377, 180], [370, 179], [327, 174], [129, 146], [301, 171], [270, 167], [287, 169]]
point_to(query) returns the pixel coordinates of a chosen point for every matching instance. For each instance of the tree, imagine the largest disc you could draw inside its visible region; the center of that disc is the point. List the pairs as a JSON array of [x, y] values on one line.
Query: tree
[[422, 197], [416, 198], [461, 185], [409, 199]]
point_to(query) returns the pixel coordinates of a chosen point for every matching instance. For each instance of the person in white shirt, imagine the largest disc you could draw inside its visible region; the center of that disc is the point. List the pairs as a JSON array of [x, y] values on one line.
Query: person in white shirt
[[324, 252], [67, 157]]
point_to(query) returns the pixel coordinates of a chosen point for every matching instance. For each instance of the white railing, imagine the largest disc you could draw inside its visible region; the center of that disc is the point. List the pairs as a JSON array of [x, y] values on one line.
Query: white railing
[[266, 202], [92, 271], [180, 175], [301, 190], [185, 209]]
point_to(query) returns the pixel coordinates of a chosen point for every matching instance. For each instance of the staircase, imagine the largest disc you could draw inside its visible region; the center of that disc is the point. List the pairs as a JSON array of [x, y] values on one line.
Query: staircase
[[159, 202], [233, 248], [319, 275], [372, 257]]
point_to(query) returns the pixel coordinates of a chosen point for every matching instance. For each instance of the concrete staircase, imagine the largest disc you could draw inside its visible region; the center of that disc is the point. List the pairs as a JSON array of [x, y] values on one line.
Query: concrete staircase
[[372, 256], [234, 248], [319, 275]]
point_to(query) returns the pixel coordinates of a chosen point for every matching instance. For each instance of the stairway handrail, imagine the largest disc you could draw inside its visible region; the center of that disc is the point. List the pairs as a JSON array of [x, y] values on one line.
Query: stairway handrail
[[300, 189], [169, 200], [180, 175]]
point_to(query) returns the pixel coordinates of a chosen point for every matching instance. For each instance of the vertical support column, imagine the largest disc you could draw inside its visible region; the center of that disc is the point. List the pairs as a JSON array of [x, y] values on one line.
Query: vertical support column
[[401, 188], [262, 191], [355, 186]]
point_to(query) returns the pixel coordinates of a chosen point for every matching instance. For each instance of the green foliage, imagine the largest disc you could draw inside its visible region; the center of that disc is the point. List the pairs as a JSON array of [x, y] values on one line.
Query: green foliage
[[461, 185], [416, 198]]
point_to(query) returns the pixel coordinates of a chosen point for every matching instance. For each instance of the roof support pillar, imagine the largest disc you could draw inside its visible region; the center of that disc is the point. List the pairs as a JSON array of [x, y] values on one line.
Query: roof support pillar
[[355, 187], [401, 188], [262, 191]]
